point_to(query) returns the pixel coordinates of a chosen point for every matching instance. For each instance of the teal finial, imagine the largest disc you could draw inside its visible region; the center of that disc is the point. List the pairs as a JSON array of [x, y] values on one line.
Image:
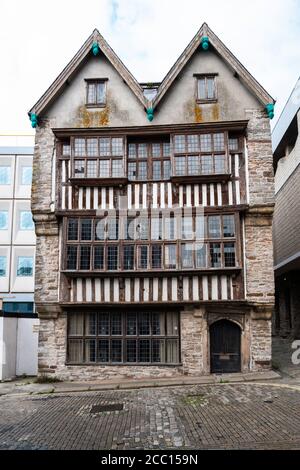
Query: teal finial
[[34, 120], [150, 114], [95, 48], [270, 110], [205, 43]]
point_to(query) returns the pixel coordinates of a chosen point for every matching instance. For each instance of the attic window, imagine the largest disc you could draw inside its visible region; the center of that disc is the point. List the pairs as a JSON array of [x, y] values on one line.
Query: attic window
[[96, 92], [206, 88]]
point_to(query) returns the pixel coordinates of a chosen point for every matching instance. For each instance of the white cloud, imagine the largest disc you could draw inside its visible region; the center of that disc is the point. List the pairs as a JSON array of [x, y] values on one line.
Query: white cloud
[[37, 39]]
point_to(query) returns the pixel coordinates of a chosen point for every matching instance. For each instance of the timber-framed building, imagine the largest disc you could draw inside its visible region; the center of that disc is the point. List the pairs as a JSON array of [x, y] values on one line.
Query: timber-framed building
[[153, 208]]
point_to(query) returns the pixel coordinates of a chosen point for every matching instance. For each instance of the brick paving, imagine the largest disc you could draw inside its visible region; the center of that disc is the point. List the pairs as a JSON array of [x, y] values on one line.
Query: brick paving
[[225, 416]]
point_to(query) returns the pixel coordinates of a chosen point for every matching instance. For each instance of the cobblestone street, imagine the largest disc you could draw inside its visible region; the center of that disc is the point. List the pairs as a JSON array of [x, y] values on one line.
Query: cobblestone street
[[212, 416]]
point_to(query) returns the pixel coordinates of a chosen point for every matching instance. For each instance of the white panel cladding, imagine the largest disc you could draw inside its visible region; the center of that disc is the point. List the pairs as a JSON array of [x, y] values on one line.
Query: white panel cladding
[[162, 195], [155, 288], [88, 290], [170, 198], [79, 290], [70, 194], [214, 287], [188, 195], [64, 172], [230, 193], [97, 290], [107, 290], [186, 295], [63, 198], [165, 289], [205, 287], [80, 199], [174, 291], [136, 196], [95, 205], [144, 196], [156, 195], [219, 191], [146, 292], [129, 196], [224, 290], [195, 288], [196, 195], [237, 166], [212, 194], [116, 290], [137, 289], [127, 290], [88, 198], [103, 197], [152, 289], [111, 198], [204, 195]]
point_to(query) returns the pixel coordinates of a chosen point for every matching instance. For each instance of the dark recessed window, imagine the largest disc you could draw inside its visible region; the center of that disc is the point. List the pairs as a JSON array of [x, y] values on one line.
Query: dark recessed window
[[149, 337], [96, 93]]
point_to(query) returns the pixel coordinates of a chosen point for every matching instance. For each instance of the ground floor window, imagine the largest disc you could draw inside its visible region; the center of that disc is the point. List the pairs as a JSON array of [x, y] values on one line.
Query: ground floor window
[[116, 338]]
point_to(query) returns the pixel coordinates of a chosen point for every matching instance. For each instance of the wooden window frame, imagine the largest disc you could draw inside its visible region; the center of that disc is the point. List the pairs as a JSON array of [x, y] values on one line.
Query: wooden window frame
[[206, 76], [149, 159], [178, 242], [84, 337], [99, 180], [91, 81], [207, 177]]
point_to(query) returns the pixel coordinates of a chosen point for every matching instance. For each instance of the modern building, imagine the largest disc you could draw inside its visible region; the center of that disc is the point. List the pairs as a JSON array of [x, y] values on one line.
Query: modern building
[[18, 322], [153, 210], [286, 148]]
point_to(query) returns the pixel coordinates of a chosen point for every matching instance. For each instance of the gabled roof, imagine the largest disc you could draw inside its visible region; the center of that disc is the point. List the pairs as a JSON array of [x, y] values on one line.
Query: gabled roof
[[242, 73], [226, 55], [55, 89]]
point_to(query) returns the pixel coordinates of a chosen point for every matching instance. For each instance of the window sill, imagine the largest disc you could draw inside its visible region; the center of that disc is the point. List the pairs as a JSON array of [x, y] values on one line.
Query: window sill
[[207, 101], [199, 178], [112, 181], [153, 272], [98, 105], [123, 364]]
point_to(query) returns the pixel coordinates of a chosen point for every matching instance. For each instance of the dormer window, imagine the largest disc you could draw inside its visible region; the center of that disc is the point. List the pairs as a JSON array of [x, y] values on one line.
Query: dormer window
[[206, 88], [96, 92]]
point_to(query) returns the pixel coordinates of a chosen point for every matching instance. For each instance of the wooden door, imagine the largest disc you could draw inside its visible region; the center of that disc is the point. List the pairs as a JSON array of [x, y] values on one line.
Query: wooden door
[[225, 347]]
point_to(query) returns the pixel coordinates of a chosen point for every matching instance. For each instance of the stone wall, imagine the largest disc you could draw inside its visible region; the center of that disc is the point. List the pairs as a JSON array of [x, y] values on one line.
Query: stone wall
[[261, 343], [195, 349], [46, 225]]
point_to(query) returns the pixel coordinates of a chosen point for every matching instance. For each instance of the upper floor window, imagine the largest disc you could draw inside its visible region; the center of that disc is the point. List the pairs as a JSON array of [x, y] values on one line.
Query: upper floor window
[[149, 161], [26, 222], [206, 88], [96, 92], [2, 266], [5, 175], [98, 157], [26, 175], [3, 220], [25, 266], [200, 154]]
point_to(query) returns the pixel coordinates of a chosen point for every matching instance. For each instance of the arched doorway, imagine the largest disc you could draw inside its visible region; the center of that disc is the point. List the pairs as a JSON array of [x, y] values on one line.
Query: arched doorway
[[225, 347]]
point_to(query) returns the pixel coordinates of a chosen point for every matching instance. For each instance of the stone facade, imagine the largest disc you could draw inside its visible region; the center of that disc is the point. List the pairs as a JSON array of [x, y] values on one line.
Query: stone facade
[[194, 327], [248, 296]]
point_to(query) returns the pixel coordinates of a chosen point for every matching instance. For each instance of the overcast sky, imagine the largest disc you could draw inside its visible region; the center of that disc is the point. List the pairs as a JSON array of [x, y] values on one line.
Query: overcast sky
[[38, 38]]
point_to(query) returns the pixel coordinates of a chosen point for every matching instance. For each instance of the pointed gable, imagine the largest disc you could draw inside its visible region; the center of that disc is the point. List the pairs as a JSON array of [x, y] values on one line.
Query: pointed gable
[[241, 72], [73, 66]]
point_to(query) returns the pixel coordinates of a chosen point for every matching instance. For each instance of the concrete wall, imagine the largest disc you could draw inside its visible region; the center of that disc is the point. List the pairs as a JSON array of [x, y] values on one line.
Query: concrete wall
[[178, 105], [19, 339]]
